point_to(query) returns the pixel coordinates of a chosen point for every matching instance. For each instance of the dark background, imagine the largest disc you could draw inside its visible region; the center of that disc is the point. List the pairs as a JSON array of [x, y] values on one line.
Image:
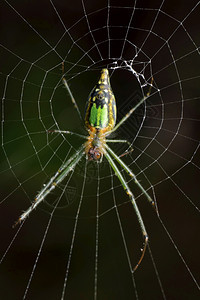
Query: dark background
[[164, 135]]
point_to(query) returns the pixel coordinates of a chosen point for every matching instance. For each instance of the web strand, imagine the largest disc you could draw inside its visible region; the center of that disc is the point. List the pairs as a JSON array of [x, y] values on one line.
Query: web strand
[[88, 219]]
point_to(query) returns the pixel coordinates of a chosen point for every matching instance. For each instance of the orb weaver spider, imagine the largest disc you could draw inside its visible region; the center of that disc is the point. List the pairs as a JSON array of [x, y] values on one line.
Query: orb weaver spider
[[100, 122]]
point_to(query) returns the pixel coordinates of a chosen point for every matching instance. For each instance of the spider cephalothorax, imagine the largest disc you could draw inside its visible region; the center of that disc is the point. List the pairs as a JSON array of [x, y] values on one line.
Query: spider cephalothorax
[[94, 147], [94, 153]]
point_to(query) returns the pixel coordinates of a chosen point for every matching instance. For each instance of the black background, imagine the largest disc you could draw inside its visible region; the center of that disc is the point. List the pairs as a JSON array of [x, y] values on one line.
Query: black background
[[165, 143]]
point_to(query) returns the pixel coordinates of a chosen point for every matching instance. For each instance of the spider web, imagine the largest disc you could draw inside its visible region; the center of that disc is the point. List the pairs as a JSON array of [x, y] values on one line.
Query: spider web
[[84, 240]]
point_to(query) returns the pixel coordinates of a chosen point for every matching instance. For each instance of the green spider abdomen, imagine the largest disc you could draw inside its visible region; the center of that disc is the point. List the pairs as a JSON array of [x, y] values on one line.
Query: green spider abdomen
[[100, 112]]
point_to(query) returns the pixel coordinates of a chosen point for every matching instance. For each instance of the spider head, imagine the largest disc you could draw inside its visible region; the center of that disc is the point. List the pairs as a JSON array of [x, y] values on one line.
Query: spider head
[[94, 153]]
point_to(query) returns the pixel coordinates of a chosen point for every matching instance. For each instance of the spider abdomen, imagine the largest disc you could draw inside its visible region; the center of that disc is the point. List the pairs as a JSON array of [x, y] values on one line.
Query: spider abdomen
[[100, 112]]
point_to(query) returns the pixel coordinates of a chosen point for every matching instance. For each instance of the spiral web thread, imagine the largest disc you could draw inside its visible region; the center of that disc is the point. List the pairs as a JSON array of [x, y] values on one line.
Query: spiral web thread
[[84, 240]]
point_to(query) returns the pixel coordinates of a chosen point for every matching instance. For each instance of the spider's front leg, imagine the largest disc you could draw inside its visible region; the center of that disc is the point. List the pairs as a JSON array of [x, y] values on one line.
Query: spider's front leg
[[132, 199], [53, 182], [131, 174]]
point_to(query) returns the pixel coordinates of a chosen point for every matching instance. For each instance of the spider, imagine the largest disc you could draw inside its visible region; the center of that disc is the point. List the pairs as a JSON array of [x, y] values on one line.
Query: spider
[[100, 122]]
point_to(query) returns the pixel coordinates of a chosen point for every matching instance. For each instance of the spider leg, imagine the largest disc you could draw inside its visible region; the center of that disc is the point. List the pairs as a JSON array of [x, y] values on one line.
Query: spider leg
[[70, 93], [126, 152], [118, 141], [129, 193], [129, 150], [67, 132], [53, 182], [131, 174], [132, 110]]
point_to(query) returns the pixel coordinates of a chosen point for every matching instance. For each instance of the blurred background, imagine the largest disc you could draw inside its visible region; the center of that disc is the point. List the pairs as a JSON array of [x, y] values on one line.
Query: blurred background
[[57, 252]]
